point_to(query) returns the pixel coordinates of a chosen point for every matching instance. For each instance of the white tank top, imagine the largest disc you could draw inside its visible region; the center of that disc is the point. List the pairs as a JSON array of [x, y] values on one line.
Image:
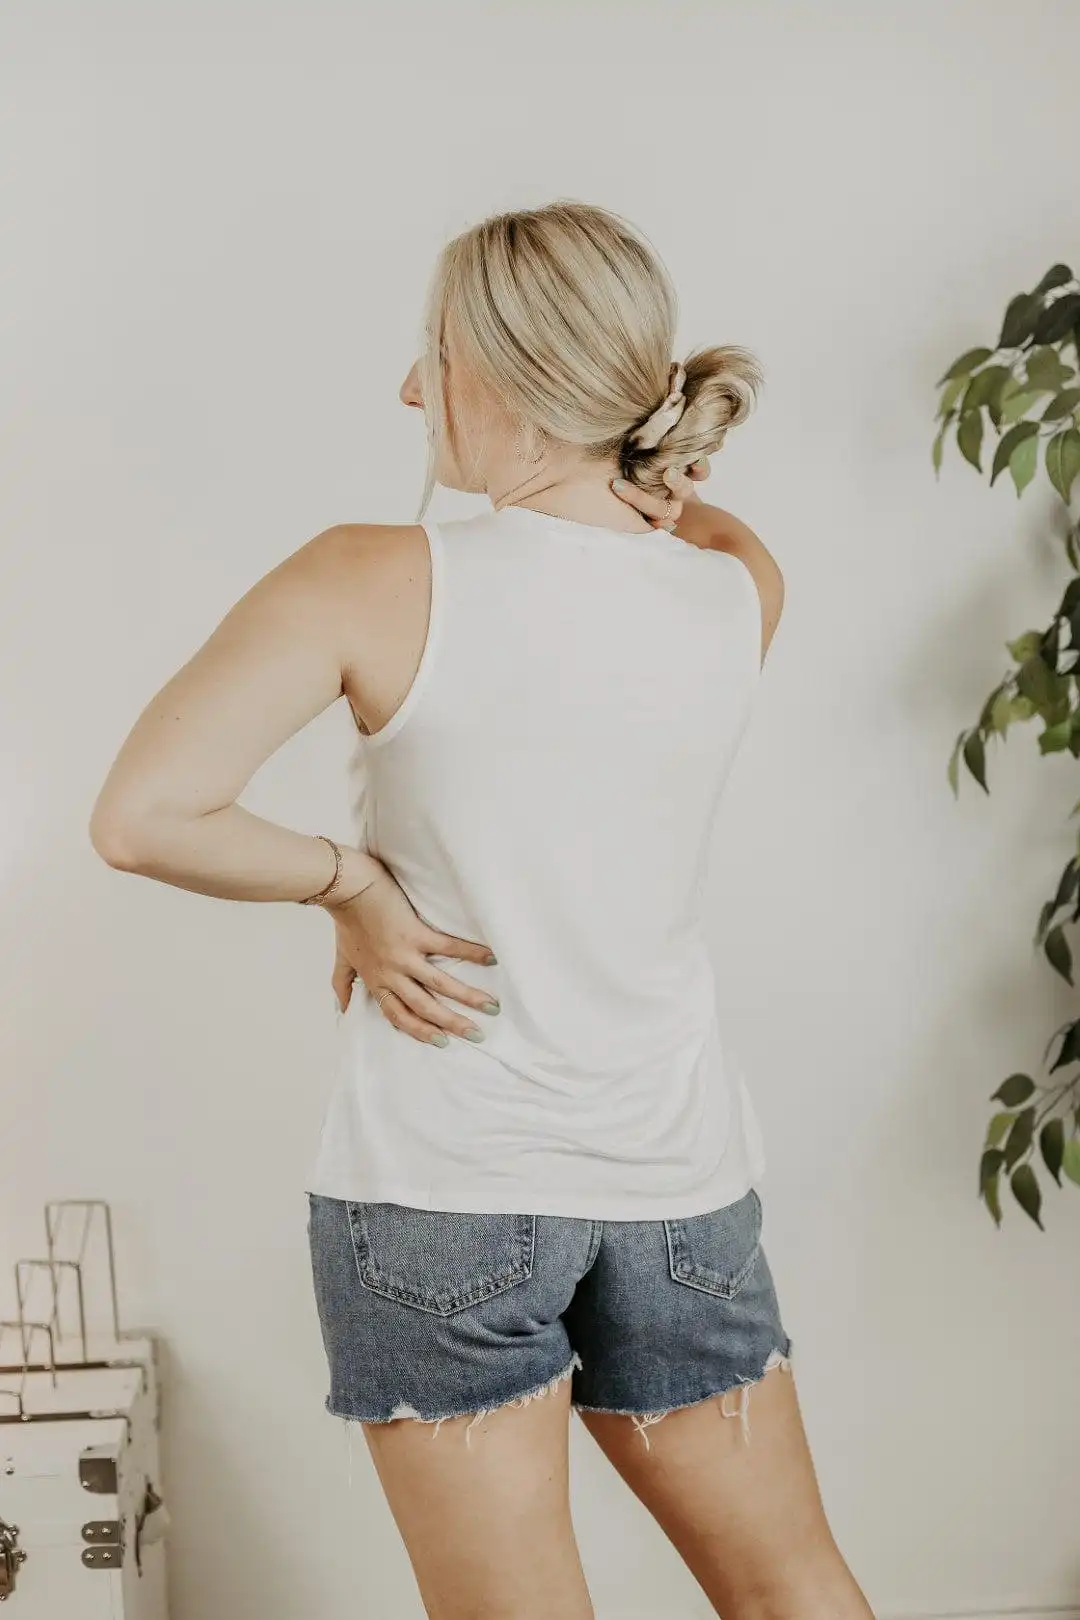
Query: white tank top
[[548, 787]]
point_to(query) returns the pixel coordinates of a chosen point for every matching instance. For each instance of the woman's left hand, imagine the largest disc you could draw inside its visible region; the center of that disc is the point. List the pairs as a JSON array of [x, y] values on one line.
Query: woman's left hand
[[660, 513]]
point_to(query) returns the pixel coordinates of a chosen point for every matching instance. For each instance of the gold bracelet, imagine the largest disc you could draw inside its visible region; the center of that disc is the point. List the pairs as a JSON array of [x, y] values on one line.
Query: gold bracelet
[[322, 894]]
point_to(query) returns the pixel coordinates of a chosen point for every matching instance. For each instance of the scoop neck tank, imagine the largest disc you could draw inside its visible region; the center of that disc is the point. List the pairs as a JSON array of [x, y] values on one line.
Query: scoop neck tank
[[549, 785]]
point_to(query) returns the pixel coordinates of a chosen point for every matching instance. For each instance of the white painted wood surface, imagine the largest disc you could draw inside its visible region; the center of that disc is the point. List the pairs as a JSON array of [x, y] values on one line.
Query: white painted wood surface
[[110, 1410]]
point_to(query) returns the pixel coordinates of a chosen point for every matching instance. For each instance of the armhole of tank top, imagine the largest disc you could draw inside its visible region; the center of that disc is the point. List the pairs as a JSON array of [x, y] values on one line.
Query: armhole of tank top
[[750, 586], [375, 739]]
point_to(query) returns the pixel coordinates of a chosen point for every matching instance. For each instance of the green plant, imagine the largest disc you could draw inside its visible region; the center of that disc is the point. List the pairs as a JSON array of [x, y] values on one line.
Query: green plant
[[1026, 391]]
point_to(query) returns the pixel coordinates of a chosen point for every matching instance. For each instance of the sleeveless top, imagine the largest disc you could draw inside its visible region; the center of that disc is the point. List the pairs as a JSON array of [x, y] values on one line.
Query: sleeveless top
[[548, 787]]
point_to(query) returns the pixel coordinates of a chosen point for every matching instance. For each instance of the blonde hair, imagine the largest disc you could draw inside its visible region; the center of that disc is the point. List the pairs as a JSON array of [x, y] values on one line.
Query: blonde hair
[[568, 316]]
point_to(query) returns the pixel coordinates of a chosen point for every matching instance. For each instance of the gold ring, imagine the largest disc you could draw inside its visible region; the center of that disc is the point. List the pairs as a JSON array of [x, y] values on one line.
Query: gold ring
[[380, 998]]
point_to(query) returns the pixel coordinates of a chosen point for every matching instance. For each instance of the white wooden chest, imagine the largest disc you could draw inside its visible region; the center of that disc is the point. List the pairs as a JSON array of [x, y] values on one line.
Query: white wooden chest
[[81, 1517]]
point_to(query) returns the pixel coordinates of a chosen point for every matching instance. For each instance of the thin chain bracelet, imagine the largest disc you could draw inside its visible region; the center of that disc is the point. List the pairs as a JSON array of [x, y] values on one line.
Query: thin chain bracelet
[[312, 899]]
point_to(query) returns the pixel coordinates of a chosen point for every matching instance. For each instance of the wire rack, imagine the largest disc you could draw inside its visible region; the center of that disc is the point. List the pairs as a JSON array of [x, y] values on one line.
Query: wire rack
[[67, 1313]]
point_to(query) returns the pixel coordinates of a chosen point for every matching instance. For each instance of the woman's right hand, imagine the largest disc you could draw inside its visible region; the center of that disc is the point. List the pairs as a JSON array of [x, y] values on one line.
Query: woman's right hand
[[382, 942], [665, 514]]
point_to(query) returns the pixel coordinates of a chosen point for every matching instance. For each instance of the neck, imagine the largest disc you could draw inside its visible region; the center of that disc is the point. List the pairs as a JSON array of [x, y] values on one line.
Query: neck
[[582, 494]]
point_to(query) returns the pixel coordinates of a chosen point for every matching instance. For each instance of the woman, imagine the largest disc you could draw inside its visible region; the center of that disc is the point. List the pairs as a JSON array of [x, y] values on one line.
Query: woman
[[535, 1187]]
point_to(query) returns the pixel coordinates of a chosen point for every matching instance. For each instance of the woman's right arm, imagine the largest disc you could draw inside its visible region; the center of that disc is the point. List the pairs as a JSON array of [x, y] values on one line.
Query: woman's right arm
[[716, 530], [713, 529]]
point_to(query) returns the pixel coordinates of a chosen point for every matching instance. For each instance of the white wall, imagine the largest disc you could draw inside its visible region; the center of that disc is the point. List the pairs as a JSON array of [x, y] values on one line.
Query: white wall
[[218, 220]]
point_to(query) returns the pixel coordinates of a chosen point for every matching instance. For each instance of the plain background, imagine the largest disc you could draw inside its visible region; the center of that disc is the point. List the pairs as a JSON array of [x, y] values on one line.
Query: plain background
[[218, 222]]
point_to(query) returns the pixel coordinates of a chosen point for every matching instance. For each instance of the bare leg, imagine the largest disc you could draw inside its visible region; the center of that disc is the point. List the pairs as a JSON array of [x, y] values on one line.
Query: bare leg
[[740, 1504], [487, 1524]]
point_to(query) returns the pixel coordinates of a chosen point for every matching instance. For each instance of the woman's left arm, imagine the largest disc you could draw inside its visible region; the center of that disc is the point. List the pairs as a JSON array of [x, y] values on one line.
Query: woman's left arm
[[168, 807]]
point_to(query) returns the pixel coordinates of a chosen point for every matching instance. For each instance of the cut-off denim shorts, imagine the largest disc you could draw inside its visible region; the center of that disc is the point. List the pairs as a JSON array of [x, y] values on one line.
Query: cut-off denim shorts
[[430, 1315]]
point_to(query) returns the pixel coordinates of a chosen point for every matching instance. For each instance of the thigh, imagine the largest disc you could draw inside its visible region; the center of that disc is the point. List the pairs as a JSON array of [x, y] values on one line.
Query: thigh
[[746, 1516], [487, 1524], [692, 1397], [444, 1338]]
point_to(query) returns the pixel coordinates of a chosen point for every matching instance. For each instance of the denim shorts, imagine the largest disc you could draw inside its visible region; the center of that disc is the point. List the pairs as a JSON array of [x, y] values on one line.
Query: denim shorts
[[429, 1314]]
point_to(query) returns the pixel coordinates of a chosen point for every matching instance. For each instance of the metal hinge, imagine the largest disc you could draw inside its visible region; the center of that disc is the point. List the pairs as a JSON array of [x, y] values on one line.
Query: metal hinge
[[106, 1538], [98, 1471], [11, 1559]]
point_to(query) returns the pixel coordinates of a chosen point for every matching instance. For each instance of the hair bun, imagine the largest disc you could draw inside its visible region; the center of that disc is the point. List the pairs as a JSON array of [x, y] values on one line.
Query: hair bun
[[666, 414], [719, 389]]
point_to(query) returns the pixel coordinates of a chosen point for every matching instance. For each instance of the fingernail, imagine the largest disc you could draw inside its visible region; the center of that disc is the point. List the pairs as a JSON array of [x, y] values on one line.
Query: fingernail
[[489, 1007], [440, 1040], [619, 483], [474, 1034], [491, 960]]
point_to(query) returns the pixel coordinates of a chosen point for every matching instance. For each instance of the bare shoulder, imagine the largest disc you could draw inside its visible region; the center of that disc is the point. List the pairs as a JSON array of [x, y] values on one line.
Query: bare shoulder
[[729, 533], [351, 570], [362, 551]]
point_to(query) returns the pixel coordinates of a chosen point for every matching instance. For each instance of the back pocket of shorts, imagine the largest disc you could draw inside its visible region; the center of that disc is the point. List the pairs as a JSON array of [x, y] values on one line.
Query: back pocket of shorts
[[438, 1260], [716, 1252]]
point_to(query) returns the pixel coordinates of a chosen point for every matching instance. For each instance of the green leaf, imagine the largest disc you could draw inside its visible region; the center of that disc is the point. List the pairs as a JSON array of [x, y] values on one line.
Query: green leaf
[[1000, 715], [1027, 645], [1038, 682], [986, 718], [984, 387], [1020, 1135], [1014, 1091], [956, 387], [990, 1163], [1015, 436], [1046, 369], [1063, 461], [1057, 319], [1017, 405], [965, 365], [1052, 1146], [1007, 710], [997, 1130], [1069, 1051], [975, 758], [1022, 463], [1026, 1191], [939, 441], [1063, 405], [1058, 953], [1020, 316], [1055, 739], [989, 1170], [1054, 277], [1046, 917], [969, 436], [1034, 681], [954, 765], [1071, 551], [992, 1198], [1067, 885], [1070, 1160]]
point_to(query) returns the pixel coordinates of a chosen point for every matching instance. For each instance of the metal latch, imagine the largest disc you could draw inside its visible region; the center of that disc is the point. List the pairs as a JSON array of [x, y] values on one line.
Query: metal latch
[[11, 1557], [106, 1543]]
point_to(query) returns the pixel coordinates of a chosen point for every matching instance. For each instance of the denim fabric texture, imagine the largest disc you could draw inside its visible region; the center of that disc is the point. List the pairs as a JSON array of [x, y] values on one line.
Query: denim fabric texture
[[431, 1314]]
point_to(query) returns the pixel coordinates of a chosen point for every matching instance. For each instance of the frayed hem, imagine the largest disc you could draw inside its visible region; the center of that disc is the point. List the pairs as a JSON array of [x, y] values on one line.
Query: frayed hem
[[742, 1388], [404, 1410]]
